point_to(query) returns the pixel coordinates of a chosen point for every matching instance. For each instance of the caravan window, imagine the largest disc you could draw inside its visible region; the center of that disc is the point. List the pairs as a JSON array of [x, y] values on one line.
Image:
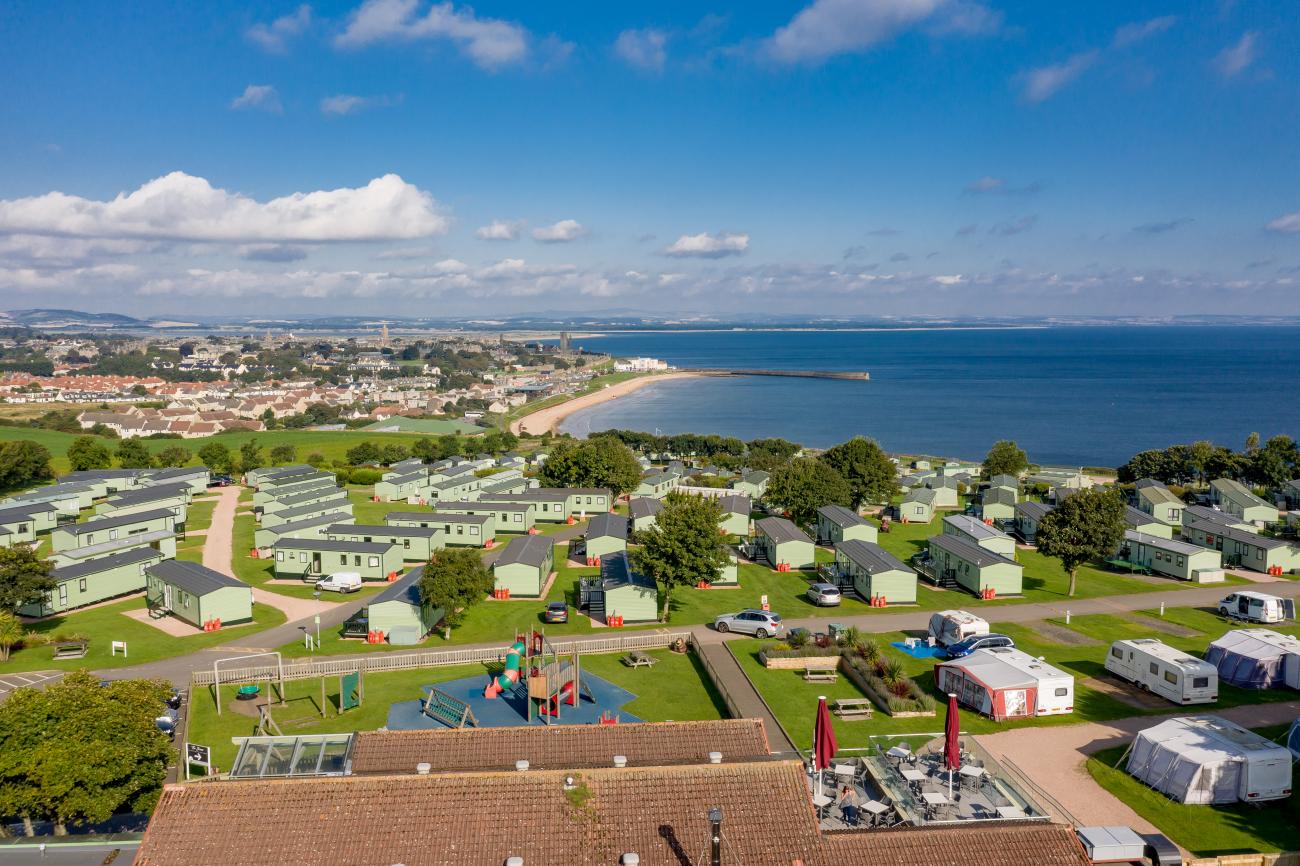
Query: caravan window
[[1155, 668], [1171, 677], [279, 556], [1115, 651], [1062, 692], [374, 562], [1201, 683], [82, 586]]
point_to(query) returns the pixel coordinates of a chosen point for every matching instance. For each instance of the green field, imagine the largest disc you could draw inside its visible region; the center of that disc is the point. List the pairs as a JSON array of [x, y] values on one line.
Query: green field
[[1205, 831], [144, 642], [675, 688], [426, 426]]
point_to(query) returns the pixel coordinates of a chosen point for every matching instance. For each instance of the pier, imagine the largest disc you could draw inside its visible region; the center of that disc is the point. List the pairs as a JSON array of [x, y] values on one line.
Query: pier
[[853, 375]]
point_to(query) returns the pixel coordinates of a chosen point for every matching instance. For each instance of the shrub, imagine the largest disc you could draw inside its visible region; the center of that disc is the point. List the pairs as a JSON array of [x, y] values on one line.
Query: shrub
[[869, 650], [364, 477], [797, 639]]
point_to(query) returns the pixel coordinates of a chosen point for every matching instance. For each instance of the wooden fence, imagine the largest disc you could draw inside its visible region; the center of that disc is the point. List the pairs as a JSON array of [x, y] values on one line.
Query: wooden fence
[[302, 669]]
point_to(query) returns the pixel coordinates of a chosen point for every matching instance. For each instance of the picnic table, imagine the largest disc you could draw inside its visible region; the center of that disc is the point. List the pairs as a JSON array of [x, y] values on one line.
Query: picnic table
[[638, 659], [851, 709], [811, 675], [73, 649]]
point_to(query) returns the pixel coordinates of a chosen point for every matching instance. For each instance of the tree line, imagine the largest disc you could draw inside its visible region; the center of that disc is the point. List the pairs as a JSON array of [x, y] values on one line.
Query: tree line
[[1267, 465]]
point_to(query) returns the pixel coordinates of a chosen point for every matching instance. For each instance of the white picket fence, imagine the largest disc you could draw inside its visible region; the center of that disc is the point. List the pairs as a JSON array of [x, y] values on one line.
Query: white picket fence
[[302, 669]]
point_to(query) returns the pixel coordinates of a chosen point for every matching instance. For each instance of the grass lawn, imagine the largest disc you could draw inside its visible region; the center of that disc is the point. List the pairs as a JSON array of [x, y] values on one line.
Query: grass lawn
[[199, 514], [144, 642], [675, 688], [258, 572], [1205, 831]]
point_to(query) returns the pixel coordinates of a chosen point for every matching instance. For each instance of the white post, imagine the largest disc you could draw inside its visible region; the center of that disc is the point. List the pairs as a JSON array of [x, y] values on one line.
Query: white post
[[1067, 617], [1162, 608]]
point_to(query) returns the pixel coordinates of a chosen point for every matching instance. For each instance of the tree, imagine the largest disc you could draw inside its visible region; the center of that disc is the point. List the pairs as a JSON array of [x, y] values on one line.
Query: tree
[[1087, 525], [802, 486], [1005, 458], [87, 452], [602, 461], [80, 752], [867, 469], [425, 448], [365, 452], [217, 458], [1273, 464], [454, 580], [684, 546], [268, 419], [23, 463], [134, 454], [24, 578], [395, 452], [448, 446], [251, 456], [316, 459], [172, 456], [11, 634], [282, 454]]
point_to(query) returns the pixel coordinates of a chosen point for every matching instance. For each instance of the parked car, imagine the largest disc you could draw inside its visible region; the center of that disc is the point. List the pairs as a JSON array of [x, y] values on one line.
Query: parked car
[[557, 611], [759, 623], [340, 581], [961, 649], [824, 594], [1257, 607], [220, 481]]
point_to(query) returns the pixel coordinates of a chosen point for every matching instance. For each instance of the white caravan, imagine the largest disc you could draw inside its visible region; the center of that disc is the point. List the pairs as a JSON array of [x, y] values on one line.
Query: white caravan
[[1159, 668]]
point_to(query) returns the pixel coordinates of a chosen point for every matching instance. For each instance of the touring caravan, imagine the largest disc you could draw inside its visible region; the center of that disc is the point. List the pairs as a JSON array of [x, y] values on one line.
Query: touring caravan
[[1257, 607], [948, 627], [1159, 668], [1006, 683], [1210, 760]]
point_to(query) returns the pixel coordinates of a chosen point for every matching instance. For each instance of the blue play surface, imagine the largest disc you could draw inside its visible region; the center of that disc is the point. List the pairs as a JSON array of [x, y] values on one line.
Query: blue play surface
[[920, 651], [510, 709]]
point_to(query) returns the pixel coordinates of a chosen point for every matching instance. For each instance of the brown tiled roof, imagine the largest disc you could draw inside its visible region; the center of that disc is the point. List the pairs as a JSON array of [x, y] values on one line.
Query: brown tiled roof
[[559, 746], [987, 845]]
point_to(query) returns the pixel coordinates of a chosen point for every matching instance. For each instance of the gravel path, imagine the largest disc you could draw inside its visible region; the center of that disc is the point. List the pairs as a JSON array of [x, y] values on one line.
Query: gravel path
[[218, 543]]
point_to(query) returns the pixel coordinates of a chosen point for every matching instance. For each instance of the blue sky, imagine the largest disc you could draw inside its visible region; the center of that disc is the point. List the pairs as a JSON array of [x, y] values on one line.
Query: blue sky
[[950, 157]]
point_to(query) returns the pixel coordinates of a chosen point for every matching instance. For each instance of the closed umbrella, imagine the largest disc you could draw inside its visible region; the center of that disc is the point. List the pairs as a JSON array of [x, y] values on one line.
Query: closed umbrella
[[824, 745], [951, 745]]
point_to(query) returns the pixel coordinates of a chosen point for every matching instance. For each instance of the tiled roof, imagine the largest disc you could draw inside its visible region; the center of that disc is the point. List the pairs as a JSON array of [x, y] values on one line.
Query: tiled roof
[[558, 747], [1023, 845]]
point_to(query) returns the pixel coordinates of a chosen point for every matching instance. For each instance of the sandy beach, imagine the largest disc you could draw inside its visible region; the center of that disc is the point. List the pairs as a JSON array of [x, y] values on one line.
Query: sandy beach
[[548, 420]]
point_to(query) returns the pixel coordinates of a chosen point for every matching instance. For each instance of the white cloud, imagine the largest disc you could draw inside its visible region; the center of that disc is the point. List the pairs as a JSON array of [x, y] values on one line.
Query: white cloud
[[1043, 82], [644, 49], [1237, 57], [179, 206], [986, 184], [258, 97], [1287, 224], [347, 103], [707, 246], [271, 253], [275, 36], [499, 230], [560, 232], [1138, 31], [826, 28], [948, 279], [491, 43]]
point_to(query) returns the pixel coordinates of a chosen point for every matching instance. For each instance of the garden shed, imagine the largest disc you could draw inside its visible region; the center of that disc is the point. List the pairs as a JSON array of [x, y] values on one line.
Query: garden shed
[[525, 565], [197, 594]]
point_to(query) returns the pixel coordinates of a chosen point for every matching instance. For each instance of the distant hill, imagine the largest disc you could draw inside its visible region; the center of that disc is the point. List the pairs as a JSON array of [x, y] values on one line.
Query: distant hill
[[44, 318]]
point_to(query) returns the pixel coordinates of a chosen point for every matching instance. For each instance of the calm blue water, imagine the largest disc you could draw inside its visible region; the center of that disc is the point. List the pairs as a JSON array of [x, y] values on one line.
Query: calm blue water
[[1085, 396]]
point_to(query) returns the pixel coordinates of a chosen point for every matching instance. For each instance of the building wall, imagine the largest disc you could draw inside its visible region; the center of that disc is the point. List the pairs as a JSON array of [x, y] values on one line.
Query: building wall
[[604, 544], [1172, 563], [997, 511], [633, 603], [735, 524], [798, 554], [69, 594], [370, 566], [230, 604], [521, 579], [388, 615], [898, 587], [915, 512]]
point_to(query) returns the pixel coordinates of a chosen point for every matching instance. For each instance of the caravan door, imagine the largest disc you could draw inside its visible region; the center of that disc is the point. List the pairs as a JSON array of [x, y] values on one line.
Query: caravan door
[[1015, 703], [1288, 608]]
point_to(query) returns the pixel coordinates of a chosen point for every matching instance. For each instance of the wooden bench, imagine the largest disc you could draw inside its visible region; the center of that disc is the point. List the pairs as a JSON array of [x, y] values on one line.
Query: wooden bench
[[638, 659], [812, 675], [851, 709], [70, 650]]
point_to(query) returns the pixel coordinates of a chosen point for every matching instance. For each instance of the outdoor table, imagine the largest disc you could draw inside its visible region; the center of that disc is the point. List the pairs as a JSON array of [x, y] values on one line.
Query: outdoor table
[[1010, 812], [971, 773], [821, 801], [916, 777], [875, 808], [933, 798], [845, 770], [899, 753]]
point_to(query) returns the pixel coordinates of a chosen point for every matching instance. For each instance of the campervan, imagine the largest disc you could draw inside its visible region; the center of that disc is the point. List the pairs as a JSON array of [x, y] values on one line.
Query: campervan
[[1159, 668], [340, 581], [953, 626], [1257, 607]]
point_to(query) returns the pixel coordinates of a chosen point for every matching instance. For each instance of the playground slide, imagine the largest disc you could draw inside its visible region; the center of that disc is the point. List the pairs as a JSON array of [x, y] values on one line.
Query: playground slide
[[510, 675], [565, 694]]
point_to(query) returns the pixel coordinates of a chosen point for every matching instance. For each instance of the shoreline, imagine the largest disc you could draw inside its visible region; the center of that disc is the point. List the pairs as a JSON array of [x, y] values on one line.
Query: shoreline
[[548, 420]]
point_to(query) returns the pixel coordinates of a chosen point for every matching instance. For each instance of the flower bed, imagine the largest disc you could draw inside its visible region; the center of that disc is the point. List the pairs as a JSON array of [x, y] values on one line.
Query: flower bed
[[901, 699]]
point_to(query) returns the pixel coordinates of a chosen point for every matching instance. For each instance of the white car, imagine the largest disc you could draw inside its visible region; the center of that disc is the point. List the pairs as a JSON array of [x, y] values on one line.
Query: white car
[[340, 581], [824, 594], [759, 623]]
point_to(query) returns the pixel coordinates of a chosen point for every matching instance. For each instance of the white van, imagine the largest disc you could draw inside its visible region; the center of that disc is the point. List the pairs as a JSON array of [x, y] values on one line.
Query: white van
[[1257, 607], [948, 627], [340, 581], [1159, 668]]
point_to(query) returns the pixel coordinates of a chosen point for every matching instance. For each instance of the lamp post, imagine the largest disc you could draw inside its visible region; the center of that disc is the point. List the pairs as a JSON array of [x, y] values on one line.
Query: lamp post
[[316, 595]]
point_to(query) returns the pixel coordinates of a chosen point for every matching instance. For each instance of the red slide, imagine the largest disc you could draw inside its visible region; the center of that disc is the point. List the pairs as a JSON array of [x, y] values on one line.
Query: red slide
[[566, 694]]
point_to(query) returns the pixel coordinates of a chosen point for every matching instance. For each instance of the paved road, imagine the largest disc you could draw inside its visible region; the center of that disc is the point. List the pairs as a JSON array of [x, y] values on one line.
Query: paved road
[[742, 695]]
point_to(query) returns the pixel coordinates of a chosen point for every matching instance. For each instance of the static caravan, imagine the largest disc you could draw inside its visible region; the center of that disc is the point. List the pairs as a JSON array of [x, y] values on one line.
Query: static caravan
[[313, 558], [105, 482], [265, 537], [507, 486], [415, 543], [735, 514], [525, 565], [508, 516], [1006, 683], [68, 499], [780, 542], [408, 487], [624, 592], [1157, 500], [974, 568], [268, 475], [1160, 669], [1028, 517], [306, 483], [1253, 551], [197, 594], [980, 533], [1140, 521], [657, 485], [1208, 760], [410, 464], [196, 478], [998, 504], [20, 524], [399, 611], [1237, 499], [752, 484], [101, 529], [606, 534], [163, 540], [835, 524], [1173, 558], [1209, 519], [875, 572], [642, 511], [95, 580], [948, 627], [917, 506], [1256, 658], [340, 507], [458, 530], [320, 496], [175, 497]]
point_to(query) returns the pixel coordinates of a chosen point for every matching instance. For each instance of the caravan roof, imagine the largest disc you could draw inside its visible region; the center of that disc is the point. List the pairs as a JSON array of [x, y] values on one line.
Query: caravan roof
[[1167, 654], [1007, 667]]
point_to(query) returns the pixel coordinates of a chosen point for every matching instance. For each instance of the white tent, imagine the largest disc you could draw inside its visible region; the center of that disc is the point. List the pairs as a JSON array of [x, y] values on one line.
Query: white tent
[[1256, 658], [1208, 759]]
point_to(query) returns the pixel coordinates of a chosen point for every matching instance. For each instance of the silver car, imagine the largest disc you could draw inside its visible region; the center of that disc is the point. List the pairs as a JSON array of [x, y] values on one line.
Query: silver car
[[824, 594], [759, 623]]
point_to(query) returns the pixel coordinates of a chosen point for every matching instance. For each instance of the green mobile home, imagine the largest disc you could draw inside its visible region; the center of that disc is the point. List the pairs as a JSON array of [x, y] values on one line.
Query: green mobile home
[[416, 543], [320, 496], [917, 506], [314, 558], [196, 594], [162, 539], [506, 516], [196, 478], [1237, 499], [875, 572], [1140, 521], [1028, 516], [642, 511], [550, 504], [751, 484], [305, 483], [495, 486], [1178, 559], [1010, 482], [406, 487], [401, 613], [303, 512], [998, 503], [729, 575], [657, 485], [174, 497], [269, 475], [101, 529], [974, 568], [23, 522], [1243, 549], [945, 490], [606, 534], [735, 514], [458, 530], [68, 499], [625, 592], [265, 537], [1159, 501], [95, 580], [105, 482], [525, 565], [781, 542], [835, 523], [980, 533]]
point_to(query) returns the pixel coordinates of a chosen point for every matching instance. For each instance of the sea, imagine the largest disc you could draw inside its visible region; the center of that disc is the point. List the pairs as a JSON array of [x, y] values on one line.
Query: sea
[[1077, 396]]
